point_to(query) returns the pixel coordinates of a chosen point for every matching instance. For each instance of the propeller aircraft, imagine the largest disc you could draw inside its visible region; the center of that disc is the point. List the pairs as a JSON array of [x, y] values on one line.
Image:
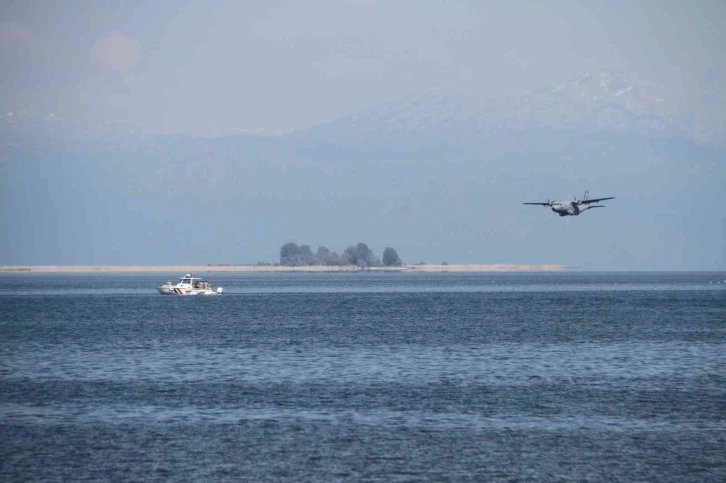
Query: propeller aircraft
[[573, 208]]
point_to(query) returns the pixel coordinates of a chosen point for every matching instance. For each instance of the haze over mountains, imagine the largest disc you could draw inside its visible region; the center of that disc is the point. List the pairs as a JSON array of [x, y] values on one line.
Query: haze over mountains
[[603, 100], [439, 176], [597, 101]]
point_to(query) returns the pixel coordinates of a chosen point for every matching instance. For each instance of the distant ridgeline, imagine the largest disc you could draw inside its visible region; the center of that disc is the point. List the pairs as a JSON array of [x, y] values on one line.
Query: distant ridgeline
[[294, 255]]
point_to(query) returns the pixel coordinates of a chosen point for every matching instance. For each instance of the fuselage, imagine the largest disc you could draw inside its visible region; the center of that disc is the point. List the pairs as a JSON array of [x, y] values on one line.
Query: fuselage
[[567, 208]]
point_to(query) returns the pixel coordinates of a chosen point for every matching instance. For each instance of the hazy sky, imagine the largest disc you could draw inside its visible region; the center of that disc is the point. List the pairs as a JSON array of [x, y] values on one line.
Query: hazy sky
[[174, 64]]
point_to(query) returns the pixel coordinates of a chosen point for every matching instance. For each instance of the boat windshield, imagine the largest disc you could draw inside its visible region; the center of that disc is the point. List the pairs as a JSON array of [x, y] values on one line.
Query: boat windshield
[[186, 280]]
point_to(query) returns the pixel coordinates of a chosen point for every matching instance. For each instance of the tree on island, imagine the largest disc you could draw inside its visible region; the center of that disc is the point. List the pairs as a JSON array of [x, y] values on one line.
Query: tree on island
[[289, 254], [294, 255], [391, 258], [306, 255], [325, 257], [360, 255]]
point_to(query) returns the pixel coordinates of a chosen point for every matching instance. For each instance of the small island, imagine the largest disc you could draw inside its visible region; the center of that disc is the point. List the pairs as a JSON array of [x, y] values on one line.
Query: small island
[[299, 258]]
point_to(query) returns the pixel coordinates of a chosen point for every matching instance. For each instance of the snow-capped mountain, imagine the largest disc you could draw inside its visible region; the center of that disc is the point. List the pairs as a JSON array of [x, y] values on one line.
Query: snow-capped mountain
[[606, 100]]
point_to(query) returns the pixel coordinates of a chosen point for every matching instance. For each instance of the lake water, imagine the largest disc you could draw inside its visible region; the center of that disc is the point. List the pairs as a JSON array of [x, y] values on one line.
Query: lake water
[[364, 377]]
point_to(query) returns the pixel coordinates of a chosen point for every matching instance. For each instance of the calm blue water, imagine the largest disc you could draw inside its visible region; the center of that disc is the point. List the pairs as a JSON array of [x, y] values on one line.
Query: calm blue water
[[364, 377]]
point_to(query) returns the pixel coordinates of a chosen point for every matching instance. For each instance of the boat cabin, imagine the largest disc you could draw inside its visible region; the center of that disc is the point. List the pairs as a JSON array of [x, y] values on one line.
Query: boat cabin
[[194, 282]]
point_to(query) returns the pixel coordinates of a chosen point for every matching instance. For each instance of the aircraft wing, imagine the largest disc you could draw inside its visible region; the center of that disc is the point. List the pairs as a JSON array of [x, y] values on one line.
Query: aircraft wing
[[541, 204], [587, 202]]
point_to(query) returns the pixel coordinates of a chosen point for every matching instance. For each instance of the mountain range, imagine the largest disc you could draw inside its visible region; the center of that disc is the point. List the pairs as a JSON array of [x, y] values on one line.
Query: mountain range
[[603, 100], [438, 176]]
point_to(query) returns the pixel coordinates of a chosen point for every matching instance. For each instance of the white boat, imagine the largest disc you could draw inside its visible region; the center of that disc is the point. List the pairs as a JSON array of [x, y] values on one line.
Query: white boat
[[189, 285]]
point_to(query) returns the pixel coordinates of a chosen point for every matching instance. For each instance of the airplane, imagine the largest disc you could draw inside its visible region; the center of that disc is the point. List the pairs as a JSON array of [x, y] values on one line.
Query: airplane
[[573, 208]]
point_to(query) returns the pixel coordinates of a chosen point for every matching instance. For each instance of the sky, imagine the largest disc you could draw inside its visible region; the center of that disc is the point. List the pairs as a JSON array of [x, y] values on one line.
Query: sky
[[175, 65]]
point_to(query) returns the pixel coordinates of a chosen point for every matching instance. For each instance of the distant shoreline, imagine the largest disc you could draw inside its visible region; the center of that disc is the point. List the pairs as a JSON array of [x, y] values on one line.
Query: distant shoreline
[[501, 267]]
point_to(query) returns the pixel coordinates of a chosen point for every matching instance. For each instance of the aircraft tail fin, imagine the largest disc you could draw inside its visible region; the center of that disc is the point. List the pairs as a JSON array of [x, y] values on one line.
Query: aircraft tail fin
[[587, 195]]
